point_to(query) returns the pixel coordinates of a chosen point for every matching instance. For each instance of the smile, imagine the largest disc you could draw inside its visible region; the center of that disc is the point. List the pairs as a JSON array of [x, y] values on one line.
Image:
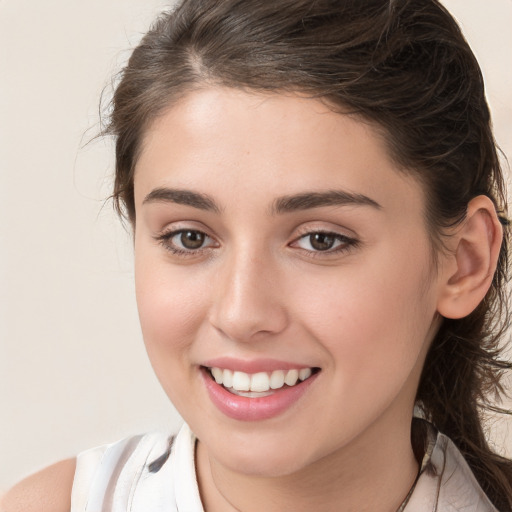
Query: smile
[[258, 384], [256, 396]]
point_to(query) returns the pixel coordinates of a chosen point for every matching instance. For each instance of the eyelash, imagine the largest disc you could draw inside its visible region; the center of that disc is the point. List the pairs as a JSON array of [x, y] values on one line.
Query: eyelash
[[345, 243], [165, 240]]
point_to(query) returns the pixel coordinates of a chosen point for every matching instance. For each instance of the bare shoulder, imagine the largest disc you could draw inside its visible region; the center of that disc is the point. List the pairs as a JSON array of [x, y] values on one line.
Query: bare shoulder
[[48, 490]]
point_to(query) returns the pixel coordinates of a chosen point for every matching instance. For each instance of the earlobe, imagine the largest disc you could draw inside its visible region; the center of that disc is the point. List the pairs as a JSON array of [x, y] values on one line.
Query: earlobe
[[470, 267]]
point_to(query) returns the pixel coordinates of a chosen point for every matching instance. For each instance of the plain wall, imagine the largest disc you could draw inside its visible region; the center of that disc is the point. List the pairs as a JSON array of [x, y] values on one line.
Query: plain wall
[[73, 370]]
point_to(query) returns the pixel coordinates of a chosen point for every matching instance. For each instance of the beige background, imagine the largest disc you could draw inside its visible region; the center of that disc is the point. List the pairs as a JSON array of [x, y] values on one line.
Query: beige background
[[73, 371]]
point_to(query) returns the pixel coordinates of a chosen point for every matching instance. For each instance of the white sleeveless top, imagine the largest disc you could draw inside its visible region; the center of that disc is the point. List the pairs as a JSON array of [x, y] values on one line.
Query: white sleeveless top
[[150, 473], [156, 473]]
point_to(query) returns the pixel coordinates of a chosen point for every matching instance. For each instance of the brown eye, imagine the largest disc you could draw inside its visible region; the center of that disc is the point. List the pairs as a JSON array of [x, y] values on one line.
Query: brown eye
[[192, 239], [186, 242], [317, 242], [322, 241]]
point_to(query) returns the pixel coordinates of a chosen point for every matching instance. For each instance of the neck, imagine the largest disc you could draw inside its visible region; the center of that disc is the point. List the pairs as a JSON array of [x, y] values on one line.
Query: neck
[[367, 475]]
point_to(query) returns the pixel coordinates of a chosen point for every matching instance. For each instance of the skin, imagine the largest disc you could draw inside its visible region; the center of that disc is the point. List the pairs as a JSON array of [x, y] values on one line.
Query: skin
[[48, 490], [247, 293], [365, 315]]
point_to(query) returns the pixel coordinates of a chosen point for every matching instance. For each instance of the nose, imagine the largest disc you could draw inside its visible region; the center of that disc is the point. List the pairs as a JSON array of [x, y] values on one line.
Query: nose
[[248, 302]]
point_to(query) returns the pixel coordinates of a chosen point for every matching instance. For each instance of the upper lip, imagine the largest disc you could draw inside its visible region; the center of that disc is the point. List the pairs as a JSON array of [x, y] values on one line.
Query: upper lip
[[253, 365]]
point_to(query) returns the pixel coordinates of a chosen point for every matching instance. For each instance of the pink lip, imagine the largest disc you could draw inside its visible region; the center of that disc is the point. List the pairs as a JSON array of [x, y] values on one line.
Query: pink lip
[[253, 366], [254, 409]]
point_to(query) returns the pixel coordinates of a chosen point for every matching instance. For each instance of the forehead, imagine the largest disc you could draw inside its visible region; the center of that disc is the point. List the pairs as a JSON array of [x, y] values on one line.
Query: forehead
[[212, 115], [269, 143]]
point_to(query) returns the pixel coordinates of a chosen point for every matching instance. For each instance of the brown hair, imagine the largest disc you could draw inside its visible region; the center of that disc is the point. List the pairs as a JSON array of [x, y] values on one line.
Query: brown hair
[[401, 64]]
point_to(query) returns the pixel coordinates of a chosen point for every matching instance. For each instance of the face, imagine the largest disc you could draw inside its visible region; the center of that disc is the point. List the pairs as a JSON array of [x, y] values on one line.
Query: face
[[275, 240]]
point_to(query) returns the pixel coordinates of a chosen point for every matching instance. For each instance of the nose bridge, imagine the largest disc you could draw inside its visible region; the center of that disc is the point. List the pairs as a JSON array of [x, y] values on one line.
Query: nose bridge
[[248, 299]]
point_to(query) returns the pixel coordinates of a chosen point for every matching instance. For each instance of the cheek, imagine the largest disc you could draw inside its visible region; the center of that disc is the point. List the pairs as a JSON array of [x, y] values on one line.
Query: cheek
[[170, 311], [169, 302], [373, 318]]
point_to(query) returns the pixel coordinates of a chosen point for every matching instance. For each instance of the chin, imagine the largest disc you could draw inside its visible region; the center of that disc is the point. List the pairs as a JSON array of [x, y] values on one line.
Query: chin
[[263, 464], [259, 455]]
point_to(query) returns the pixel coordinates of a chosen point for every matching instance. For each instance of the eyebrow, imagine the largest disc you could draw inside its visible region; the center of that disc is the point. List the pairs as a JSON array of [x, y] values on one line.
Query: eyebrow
[[284, 204], [309, 200], [185, 197]]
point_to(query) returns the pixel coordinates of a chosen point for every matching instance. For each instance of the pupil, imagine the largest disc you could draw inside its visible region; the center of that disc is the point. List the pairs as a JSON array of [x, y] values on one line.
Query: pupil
[[192, 239], [321, 241]]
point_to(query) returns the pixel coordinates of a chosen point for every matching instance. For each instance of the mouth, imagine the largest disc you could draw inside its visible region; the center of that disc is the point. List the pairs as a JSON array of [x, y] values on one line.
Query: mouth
[[260, 384]]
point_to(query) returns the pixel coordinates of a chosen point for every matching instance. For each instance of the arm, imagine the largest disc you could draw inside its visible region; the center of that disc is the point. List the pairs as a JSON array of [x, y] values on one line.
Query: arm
[[48, 490]]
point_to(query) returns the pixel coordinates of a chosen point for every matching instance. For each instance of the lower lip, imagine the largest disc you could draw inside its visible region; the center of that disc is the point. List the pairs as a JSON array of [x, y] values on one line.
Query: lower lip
[[254, 409]]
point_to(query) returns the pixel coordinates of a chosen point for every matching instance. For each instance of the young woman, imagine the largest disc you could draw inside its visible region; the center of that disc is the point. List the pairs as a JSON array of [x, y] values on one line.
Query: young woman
[[320, 233]]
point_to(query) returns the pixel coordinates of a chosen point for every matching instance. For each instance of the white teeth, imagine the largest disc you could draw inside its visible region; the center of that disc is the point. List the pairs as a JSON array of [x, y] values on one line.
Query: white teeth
[[291, 377], [260, 382], [227, 379], [217, 375], [241, 381], [251, 394], [277, 379], [305, 373]]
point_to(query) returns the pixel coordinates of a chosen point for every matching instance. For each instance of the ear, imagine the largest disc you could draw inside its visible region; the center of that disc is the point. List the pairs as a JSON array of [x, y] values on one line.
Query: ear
[[469, 268]]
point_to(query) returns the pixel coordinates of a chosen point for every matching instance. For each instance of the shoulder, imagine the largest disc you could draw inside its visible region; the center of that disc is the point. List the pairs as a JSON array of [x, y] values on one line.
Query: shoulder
[[48, 490], [119, 472], [136, 470], [134, 451], [459, 486], [446, 481]]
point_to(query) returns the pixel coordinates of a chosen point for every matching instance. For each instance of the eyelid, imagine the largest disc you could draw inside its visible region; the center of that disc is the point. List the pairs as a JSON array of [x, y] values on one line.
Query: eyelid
[[334, 234], [165, 237], [327, 228], [348, 241], [345, 241]]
